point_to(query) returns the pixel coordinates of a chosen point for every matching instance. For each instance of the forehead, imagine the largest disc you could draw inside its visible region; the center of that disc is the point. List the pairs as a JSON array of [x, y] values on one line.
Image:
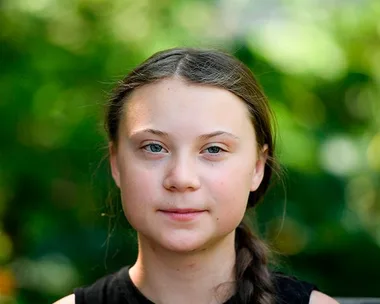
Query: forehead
[[174, 103]]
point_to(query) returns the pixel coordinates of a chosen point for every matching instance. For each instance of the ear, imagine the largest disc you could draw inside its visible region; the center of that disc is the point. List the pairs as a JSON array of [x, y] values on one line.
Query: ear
[[114, 163], [259, 169]]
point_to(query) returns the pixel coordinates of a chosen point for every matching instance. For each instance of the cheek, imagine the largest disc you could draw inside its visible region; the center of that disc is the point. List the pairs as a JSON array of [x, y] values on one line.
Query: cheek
[[138, 190], [233, 181], [231, 190], [136, 181]]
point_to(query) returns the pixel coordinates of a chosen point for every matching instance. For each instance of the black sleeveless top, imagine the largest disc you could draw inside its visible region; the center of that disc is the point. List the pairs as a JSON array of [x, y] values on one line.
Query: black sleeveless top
[[118, 288]]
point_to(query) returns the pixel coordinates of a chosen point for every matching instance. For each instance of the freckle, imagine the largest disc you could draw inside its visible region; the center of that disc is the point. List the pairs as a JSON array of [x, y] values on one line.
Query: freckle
[[217, 219], [177, 269]]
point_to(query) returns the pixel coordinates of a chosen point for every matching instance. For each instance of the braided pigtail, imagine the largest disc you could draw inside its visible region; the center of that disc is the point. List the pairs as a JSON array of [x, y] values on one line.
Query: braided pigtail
[[254, 281]]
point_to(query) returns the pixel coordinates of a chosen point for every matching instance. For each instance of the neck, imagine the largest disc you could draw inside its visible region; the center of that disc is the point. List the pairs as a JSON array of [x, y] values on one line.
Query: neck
[[204, 276]]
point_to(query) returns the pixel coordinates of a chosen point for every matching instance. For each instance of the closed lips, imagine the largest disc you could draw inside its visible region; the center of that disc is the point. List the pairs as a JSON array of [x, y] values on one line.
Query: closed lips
[[182, 210]]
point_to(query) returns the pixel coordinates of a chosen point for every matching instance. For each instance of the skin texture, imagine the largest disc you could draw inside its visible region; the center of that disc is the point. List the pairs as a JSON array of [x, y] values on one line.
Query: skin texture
[[185, 173], [193, 167], [186, 146]]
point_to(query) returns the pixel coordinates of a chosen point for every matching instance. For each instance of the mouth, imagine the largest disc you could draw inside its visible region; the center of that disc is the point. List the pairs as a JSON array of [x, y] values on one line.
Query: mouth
[[182, 210], [182, 214]]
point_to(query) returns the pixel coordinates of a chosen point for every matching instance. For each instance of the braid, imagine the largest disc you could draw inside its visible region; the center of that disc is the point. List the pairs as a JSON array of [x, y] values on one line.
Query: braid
[[254, 282]]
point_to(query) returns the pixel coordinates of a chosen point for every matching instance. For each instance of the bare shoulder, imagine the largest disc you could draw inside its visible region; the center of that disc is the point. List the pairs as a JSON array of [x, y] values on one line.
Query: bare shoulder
[[321, 298], [66, 300]]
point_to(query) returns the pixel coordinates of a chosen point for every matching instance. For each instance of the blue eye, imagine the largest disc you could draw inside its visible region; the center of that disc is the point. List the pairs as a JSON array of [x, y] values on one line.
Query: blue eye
[[154, 148], [214, 150]]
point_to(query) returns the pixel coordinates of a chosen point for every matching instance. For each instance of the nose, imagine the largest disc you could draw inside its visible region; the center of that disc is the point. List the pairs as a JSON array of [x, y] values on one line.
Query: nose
[[182, 175]]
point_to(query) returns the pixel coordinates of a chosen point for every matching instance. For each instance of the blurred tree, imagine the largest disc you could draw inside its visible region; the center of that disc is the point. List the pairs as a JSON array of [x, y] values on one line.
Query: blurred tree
[[320, 66]]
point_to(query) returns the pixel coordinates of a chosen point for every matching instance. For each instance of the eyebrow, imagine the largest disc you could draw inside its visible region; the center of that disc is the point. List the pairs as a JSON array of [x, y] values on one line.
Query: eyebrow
[[201, 137]]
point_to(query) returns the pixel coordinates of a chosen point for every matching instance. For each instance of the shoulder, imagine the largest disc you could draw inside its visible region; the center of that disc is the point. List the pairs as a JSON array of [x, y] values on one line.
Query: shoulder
[[290, 284], [321, 298], [66, 300], [111, 288], [290, 289]]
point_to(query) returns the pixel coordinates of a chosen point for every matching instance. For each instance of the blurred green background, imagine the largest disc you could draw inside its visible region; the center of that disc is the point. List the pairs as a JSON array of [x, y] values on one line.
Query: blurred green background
[[319, 63]]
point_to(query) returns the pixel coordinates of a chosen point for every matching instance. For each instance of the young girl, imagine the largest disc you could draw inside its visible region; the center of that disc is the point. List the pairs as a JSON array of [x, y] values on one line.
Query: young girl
[[191, 148]]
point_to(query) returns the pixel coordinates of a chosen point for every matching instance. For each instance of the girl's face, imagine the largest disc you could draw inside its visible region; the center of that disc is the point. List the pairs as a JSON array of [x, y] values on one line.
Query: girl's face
[[185, 162]]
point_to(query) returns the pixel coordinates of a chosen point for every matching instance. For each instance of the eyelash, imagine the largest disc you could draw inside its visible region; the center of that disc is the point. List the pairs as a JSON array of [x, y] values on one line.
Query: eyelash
[[150, 145], [220, 149]]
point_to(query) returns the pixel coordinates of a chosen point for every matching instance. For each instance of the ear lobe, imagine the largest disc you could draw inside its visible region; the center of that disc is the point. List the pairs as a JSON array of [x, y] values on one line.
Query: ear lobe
[[259, 169], [114, 164]]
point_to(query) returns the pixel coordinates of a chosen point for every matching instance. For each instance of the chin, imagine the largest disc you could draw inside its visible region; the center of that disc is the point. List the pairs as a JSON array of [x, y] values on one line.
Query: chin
[[184, 246], [184, 243]]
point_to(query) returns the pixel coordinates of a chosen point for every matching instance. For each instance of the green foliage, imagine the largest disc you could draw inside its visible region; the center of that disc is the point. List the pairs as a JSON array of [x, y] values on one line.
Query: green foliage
[[319, 65]]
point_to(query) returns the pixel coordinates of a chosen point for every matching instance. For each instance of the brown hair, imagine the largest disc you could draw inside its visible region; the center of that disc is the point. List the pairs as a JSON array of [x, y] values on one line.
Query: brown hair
[[215, 68]]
